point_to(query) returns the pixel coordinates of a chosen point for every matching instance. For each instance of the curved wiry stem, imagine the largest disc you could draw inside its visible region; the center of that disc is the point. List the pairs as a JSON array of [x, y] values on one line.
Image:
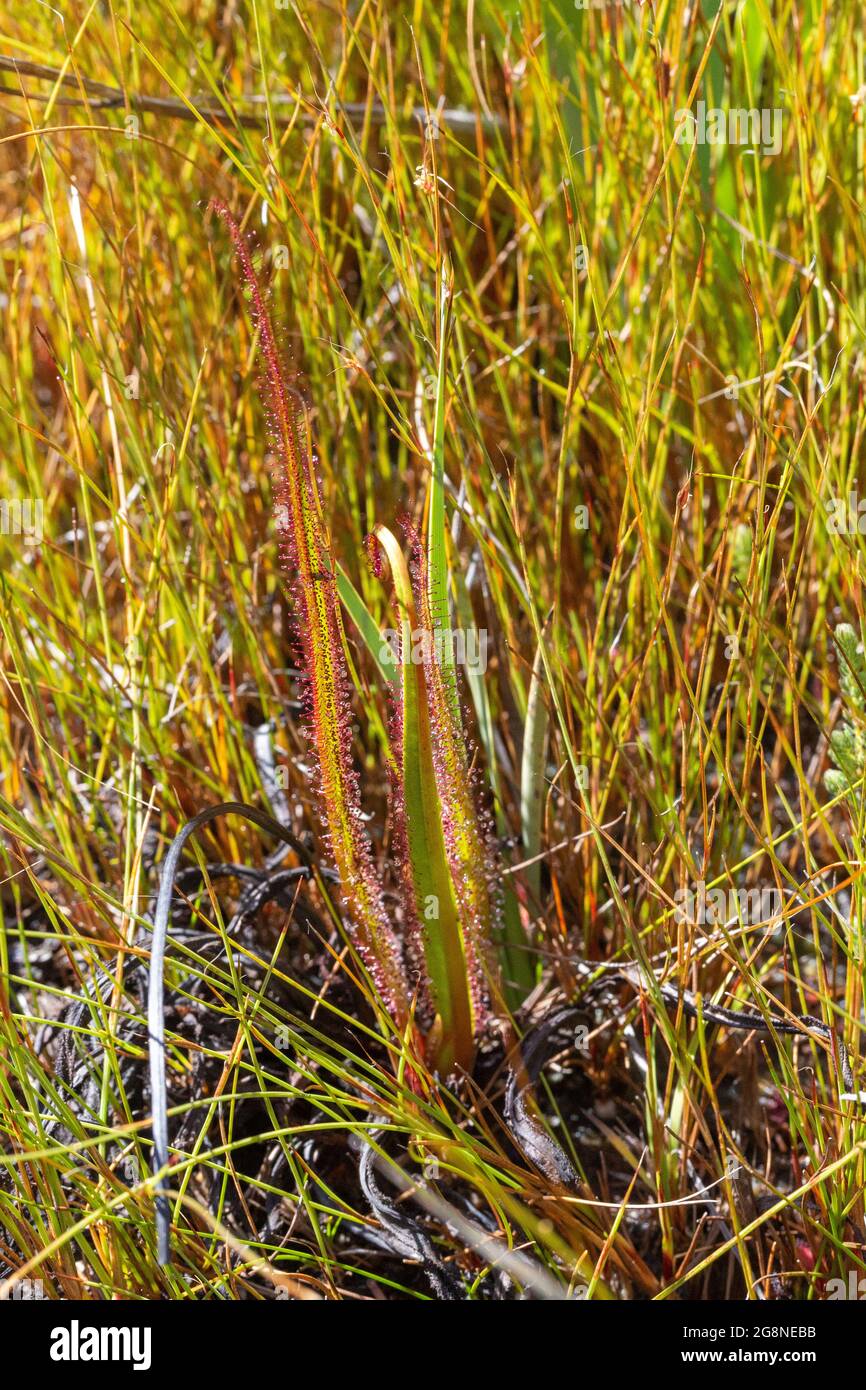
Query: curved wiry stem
[[156, 991]]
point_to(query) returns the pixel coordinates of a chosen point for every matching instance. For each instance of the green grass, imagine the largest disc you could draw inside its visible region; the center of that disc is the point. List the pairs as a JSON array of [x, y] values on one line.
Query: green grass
[[539, 302]]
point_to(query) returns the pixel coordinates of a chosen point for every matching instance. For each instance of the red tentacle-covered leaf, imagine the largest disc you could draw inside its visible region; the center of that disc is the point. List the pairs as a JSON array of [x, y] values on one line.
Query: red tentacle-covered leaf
[[319, 620]]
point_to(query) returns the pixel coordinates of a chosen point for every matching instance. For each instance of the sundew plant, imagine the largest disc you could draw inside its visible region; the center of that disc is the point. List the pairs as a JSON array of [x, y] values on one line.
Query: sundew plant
[[433, 716], [448, 908]]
